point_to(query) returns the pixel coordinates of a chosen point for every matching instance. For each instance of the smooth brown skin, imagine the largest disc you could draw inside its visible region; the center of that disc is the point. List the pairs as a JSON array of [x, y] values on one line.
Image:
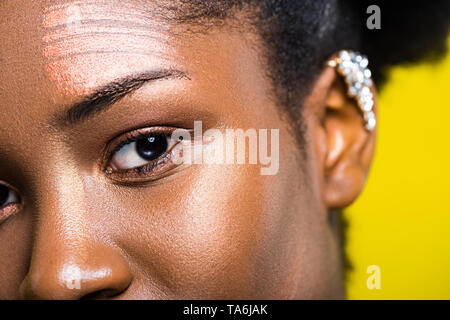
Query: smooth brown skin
[[212, 232]]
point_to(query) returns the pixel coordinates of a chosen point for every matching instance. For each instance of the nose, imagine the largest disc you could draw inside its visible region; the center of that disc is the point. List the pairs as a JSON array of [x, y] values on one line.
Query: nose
[[72, 255], [101, 274]]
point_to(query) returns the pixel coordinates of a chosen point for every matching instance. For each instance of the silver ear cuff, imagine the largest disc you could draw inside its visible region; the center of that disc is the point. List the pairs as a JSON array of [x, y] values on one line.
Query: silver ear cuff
[[352, 66]]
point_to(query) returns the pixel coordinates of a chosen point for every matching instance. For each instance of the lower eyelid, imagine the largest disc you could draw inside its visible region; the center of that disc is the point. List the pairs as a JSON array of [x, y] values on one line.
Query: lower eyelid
[[146, 173], [8, 212], [154, 164]]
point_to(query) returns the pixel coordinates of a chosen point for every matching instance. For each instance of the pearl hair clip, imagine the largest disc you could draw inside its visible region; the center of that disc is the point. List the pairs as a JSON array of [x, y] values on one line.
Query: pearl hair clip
[[352, 66]]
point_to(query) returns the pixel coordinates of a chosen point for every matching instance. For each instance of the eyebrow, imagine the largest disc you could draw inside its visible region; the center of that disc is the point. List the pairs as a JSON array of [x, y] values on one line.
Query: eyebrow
[[107, 95]]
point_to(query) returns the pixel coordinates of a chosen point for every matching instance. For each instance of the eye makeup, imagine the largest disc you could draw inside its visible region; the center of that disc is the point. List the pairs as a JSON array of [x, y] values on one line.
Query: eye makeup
[[142, 155]]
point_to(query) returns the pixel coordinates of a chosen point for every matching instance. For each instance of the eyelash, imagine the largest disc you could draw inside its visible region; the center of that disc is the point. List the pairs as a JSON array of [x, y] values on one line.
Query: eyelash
[[153, 170]]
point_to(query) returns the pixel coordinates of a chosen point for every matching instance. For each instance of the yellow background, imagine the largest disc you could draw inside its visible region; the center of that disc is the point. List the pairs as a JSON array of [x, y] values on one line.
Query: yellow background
[[401, 222]]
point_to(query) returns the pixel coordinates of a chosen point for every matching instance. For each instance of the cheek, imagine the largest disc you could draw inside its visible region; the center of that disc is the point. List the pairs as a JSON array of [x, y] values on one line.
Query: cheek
[[197, 235], [211, 233]]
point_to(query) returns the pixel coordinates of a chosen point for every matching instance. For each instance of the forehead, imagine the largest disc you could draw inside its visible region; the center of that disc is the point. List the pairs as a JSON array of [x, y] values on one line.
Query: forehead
[[68, 48], [54, 52], [78, 44]]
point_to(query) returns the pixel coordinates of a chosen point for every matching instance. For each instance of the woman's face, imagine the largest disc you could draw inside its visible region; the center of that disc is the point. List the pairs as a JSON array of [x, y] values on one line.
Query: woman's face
[[79, 220]]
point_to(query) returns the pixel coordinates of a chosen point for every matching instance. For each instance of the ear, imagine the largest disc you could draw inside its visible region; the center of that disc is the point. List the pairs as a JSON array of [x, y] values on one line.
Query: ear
[[344, 148]]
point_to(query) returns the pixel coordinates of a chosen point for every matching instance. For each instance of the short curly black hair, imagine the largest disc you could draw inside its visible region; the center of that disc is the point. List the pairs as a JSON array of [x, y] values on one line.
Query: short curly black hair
[[300, 35]]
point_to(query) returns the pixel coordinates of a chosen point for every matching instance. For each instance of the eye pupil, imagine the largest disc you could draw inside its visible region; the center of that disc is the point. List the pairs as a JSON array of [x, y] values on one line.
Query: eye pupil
[[152, 148], [4, 195]]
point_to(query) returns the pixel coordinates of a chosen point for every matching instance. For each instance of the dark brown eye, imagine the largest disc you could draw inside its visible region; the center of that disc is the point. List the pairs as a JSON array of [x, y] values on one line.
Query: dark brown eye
[[4, 195], [152, 147], [141, 150], [7, 196], [145, 154]]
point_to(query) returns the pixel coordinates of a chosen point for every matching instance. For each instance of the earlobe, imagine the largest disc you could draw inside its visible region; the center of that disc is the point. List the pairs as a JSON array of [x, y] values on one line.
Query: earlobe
[[346, 141]]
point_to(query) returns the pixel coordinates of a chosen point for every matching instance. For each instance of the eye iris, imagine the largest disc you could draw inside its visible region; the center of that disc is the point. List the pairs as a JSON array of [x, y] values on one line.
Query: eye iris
[[152, 147], [4, 195]]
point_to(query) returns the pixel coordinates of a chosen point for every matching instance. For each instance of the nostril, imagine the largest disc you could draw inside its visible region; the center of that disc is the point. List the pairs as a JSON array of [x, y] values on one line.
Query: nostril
[[102, 294], [81, 285]]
